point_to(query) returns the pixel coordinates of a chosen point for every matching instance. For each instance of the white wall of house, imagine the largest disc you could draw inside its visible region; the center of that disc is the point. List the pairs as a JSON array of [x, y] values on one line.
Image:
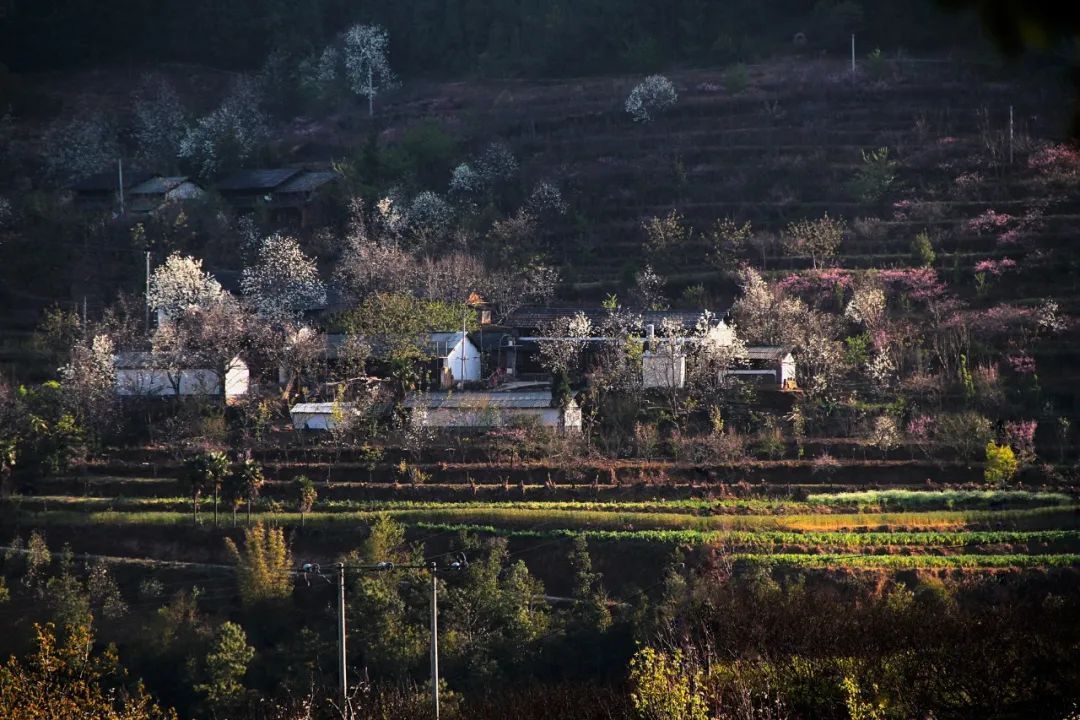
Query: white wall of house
[[471, 370], [787, 370], [197, 381], [663, 370], [568, 420]]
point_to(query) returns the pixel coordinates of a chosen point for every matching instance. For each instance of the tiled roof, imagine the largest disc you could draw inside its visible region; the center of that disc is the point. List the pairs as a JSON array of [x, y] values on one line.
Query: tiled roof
[[320, 408], [480, 400], [257, 180], [767, 352], [158, 185], [109, 181], [535, 316], [307, 181]]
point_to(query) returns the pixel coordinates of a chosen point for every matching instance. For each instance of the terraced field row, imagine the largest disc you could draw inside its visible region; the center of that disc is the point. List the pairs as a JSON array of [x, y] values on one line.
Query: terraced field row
[[894, 529]]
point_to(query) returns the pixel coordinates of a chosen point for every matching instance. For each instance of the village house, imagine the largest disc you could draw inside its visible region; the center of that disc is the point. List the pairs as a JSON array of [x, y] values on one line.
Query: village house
[[513, 404], [140, 374], [101, 192], [151, 195], [453, 357], [289, 195]]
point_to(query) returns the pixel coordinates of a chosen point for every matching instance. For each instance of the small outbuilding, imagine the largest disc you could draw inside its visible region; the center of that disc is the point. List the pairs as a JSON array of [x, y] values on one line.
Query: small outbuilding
[[456, 357], [320, 415], [491, 409], [142, 374], [771, 364]]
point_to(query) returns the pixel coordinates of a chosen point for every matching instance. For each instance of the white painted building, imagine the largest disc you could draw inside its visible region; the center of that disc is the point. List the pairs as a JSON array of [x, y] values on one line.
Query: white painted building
[[458, 357], [492, 409], [772, 364], [665, 369], [139, 374], [320, 415]]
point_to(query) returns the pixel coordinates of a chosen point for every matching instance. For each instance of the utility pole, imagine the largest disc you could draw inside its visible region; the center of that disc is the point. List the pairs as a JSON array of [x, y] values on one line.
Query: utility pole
[[852, 53], [1010, 135], [148, 291], [435, 640], [120, 180], [342, 679]]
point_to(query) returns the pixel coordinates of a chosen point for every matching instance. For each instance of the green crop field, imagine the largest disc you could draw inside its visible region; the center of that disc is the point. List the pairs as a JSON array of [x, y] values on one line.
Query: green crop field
[[886, 529]]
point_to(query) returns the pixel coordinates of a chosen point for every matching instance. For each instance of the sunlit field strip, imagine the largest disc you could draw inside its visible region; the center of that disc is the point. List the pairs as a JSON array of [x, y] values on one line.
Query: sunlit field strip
[[863, 502], [767, 540], [1050, 518], [901, 562]]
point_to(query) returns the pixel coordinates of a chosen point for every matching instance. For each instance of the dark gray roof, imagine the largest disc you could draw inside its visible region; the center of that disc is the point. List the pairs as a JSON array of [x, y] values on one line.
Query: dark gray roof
[[480, 400], [158, 185], [109, 181], [767, 352], [256, 180], [134, 359], [530, 317], [307, 181]]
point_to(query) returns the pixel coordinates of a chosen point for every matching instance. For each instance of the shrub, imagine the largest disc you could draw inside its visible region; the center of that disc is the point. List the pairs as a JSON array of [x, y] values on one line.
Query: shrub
[[736, 79], [652, 96], [1001, 464], [874, 178], [262, 567], [663, 688], [922, 250]]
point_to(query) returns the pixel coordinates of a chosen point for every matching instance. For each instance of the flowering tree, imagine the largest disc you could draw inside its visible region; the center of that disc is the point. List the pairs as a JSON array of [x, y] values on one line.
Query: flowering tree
[[88, 381], [665, 234], [84, 145], [159, 123], [429, 218], [649, 289], [715, 348], [546, 198], [820, 239], [283, 282], [366, 63], [209, 336], [466, 184], [565, 339], [496, 163], [867, 306], [228, 136], [652, 96], [179, 284]]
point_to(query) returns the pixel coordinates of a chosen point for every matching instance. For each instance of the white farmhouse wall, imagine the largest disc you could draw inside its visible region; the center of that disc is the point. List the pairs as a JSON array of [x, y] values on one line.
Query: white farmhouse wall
[[156, 382], [313, 421], [663, 370], [472, 362], [480, 418]]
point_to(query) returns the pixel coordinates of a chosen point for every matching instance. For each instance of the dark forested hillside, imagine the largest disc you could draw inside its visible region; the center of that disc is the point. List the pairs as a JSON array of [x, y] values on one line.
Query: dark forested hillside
[[496, 37]]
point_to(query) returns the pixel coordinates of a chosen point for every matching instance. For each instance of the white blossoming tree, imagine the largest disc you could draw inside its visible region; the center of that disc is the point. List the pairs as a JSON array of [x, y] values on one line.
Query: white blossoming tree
[[429, 218], [159, 123], [84, 145], [546, 198], [283, 282], [366, 63], [230, 135], [496, 163], [180, 283], [88, 379], [466, 184], [652, 96], [565, 340]]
